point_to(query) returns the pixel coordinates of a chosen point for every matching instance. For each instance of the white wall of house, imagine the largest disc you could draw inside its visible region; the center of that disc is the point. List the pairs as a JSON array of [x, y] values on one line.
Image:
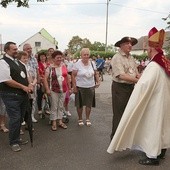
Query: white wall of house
[[140, 52], [137, 52], [37, 42]]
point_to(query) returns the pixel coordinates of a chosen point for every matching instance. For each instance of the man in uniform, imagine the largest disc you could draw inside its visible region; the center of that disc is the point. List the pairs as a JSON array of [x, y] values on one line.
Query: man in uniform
[[124, 76]]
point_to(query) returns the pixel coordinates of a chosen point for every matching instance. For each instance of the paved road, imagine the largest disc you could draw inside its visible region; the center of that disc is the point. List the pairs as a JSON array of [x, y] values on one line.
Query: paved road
[[77, 148]]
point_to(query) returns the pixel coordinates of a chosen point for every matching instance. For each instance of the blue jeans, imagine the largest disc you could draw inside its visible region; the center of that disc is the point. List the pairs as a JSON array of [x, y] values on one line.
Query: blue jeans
[[16, 106]]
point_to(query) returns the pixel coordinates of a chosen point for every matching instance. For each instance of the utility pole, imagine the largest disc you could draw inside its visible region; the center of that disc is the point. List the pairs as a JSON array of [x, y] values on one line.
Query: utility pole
[[1, 44], [107, 12]]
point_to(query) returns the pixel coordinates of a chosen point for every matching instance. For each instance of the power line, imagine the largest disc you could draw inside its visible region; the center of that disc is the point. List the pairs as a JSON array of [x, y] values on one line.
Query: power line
[[141, 9], [95, 3]]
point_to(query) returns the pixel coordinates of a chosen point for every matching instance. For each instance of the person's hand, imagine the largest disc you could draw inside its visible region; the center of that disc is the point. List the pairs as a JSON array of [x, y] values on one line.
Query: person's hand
[[70, 91], [48, 92], [75, 90], [138, 76], [42, 78], [31, 88], [27, 89], [97, 84]]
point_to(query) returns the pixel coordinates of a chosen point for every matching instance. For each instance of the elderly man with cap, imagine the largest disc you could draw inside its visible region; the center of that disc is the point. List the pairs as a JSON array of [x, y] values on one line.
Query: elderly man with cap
[[145, 122], [124, 75]]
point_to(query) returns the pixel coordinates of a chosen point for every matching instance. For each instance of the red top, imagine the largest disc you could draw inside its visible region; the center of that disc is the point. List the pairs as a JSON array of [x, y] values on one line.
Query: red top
[[42, 68], [59, 82], [163, 62]]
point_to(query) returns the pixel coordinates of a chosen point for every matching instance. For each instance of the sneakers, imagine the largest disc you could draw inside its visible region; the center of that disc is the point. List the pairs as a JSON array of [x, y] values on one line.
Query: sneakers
[[23, 123], [23, 142], [68, 113], [15, 147], [21, 132], [34, 120]]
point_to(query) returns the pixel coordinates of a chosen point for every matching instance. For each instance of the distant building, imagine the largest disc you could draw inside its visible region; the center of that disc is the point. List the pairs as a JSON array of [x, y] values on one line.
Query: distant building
[[141, 46], [1, 50], [42, 40]]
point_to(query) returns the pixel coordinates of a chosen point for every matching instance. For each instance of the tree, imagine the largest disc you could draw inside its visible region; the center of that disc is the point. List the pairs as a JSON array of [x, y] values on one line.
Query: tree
[[86, 43], [75, 44], [168, 21], [97, 46], [20, 3]]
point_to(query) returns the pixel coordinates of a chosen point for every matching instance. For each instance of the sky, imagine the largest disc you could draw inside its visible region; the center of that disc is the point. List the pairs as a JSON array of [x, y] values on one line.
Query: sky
[[64, 19]]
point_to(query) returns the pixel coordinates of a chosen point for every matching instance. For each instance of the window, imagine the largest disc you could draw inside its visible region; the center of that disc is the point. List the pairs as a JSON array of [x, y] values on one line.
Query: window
[[37, 44]]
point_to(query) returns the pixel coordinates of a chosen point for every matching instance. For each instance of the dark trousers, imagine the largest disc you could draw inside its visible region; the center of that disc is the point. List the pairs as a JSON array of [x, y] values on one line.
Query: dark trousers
[[120, 95], [40, 94], [16, 106]]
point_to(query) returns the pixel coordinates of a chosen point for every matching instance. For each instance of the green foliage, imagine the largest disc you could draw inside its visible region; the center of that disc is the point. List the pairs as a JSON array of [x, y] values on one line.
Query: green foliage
[[77, 43], [110, 54], [141, 57], [20, 3], [167, 50], [43, 50], [97, 46], [167, 19], [94, 54], [102, 54]]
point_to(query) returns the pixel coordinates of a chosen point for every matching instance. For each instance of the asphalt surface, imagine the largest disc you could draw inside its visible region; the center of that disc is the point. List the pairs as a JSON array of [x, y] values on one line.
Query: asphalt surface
[[76, 148]]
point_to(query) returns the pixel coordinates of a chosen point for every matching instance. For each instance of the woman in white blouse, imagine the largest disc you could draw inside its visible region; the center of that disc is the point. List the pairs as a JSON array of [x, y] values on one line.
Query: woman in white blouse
[[84, 78]]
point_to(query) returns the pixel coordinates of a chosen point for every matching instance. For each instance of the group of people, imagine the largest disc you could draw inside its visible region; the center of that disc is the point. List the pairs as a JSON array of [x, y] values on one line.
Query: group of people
[[140, 101], [25, 79]]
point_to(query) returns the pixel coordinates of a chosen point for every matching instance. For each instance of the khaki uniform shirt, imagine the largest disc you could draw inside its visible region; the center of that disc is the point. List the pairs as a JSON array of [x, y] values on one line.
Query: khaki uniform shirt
[[121, 63]]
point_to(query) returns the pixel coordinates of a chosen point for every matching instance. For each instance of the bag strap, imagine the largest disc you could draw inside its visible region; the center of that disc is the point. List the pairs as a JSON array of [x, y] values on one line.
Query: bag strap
[[94, 71], [92, 65], [50, 76]]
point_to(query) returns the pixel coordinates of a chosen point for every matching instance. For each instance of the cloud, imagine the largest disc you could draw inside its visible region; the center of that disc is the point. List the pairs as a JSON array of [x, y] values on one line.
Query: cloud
[[64, 19]]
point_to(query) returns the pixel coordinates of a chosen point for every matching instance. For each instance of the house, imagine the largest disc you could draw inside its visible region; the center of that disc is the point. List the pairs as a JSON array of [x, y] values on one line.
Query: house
[[42, 40], [141, 46], [1, 50]]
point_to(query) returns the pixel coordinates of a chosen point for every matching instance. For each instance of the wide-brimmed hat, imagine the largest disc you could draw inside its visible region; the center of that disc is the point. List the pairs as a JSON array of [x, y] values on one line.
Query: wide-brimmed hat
[[132, 40], [156, 38]]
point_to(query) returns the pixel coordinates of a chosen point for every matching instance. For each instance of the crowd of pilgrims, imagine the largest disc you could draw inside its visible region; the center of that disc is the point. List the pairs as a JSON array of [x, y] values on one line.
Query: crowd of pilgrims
[[36, 68], [38, 98]]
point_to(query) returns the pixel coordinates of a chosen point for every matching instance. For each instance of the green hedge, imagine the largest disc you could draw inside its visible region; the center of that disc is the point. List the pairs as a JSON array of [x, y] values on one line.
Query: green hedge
[[140, 57], [96, 53], [110, 55]]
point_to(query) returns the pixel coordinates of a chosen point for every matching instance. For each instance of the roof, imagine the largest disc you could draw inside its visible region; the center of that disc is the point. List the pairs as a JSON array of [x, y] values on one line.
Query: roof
[[142, 42], [47, 36]]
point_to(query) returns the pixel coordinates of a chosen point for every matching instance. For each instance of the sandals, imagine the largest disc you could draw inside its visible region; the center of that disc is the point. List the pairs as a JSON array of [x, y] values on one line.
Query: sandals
[[80, 123], [53, 128], [62, 125], [88, 123], [4, 129]]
